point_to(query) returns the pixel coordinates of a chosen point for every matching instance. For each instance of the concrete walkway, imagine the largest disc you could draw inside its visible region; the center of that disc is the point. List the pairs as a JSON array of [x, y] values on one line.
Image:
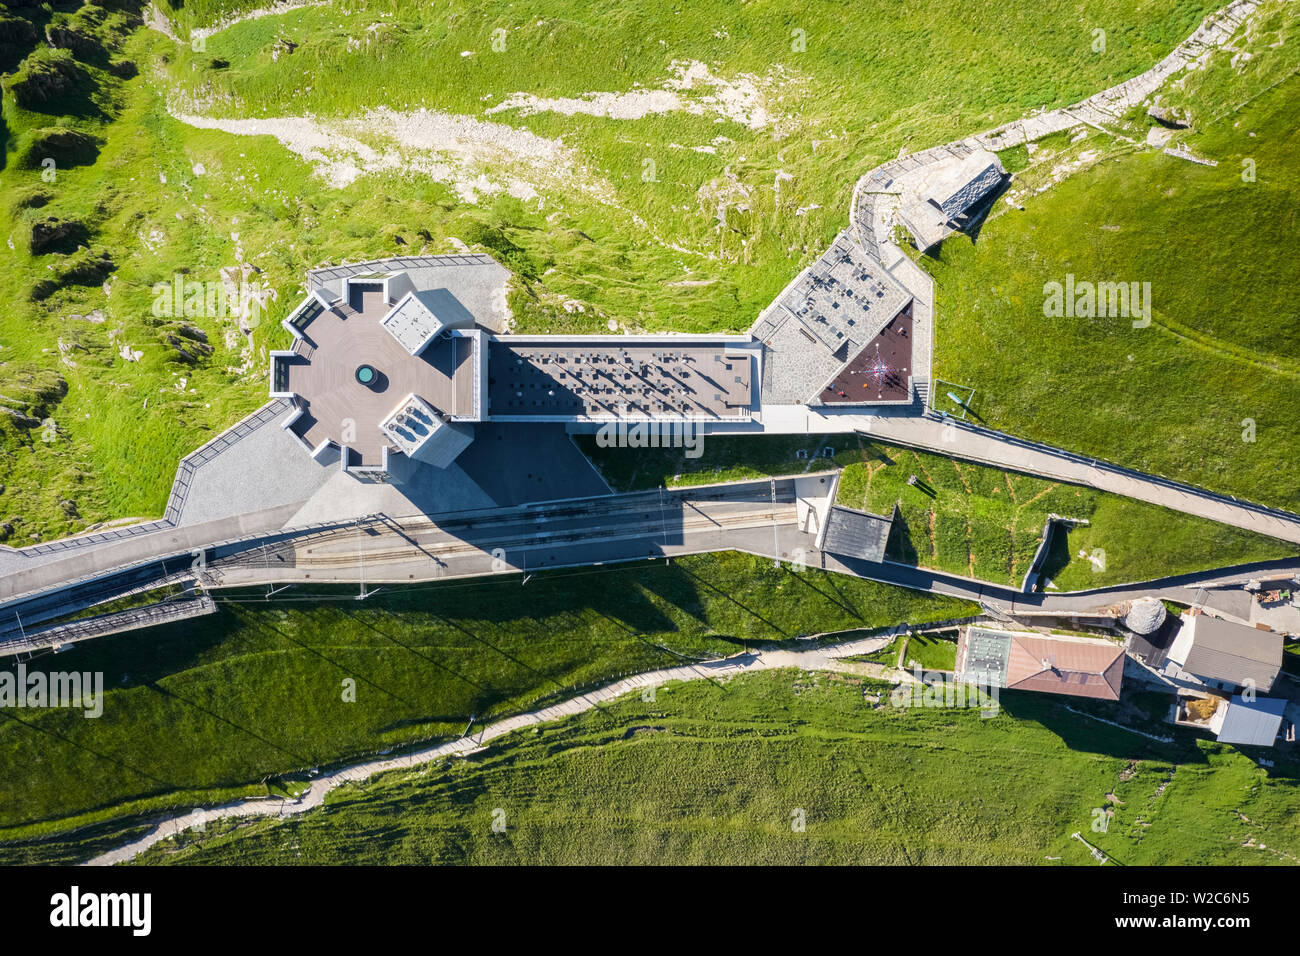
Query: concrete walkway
[[1004, 599], [875, 200], [956, 439], [873, 221], [987, 447], [813, 659]]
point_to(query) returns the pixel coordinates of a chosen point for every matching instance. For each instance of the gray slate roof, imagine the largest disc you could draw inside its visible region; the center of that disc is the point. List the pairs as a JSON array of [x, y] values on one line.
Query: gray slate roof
[[856, 534], [1225, 651], [823, 319]]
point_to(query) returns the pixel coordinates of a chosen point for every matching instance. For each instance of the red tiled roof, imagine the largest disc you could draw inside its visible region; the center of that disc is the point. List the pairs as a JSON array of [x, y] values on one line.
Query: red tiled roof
[[1081, 667]]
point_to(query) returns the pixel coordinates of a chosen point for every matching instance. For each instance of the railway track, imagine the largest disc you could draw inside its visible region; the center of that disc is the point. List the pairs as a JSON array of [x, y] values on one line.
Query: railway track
[[442, 551]]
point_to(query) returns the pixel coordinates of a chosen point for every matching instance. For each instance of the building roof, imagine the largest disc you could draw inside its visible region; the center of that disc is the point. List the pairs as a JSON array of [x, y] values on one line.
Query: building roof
[[1213, 648], [926, 222], [1255, 723], [823, 320], [962, 185], [880, 372], [609, 377], [412, 322], [856, 534], [337, 407], [420, 433], [948, 192], [1046, 663]]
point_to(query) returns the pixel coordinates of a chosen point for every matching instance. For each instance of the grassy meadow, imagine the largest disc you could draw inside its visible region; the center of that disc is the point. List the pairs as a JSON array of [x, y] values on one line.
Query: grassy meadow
[[931, 652], [1208, 392], [100, 395], [255, 693], [718, 774]]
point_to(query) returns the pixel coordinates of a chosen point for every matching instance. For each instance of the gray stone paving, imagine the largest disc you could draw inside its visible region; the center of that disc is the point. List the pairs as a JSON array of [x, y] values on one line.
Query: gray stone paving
[[262, 470], [477, 281]]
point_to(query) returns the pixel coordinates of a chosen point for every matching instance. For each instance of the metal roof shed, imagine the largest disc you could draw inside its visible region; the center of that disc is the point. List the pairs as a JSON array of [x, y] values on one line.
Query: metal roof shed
[[1254, 723]]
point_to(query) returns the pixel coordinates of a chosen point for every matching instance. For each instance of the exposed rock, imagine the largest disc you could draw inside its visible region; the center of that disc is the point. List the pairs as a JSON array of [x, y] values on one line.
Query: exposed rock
[[92, 268], [282, 46], [83, 45], [86, 268], [29, 393], [57, 235], [45, 77], [6, 530], [69, 507], [193, 332], [17, 37], [188, 342], [1168, 117], [67, 147], [18, 418]]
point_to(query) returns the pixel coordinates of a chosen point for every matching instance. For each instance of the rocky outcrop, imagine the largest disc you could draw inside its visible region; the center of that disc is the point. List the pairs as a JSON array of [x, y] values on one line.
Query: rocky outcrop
[[67, 147], [86, 268], [45, 78], [188, 343], [29, 394], [57, 235]]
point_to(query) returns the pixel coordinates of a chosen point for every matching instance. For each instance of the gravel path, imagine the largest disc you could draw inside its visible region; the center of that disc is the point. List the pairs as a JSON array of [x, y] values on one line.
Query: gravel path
[[813, 659]]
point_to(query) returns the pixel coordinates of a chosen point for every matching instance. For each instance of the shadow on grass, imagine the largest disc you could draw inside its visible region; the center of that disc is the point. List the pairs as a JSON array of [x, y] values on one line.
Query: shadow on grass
[[1078, 731], [1058, 552], [899, 547]]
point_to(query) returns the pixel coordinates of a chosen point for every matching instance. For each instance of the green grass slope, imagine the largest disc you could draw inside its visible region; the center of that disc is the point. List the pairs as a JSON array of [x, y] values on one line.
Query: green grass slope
[[257, 690], [163, 198], [720, 775], [1209, 391]]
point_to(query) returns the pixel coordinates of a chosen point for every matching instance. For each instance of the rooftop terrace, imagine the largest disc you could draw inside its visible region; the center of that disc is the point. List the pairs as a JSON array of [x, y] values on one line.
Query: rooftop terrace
[[840, 303], [619, 377], [336, 405]]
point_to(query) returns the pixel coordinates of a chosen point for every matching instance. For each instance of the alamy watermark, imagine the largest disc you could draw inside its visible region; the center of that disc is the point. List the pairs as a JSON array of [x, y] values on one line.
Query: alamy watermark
[[37, 689], [653, 434], [941, 689], [133, 911], [183, 297], [1104, 300]]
